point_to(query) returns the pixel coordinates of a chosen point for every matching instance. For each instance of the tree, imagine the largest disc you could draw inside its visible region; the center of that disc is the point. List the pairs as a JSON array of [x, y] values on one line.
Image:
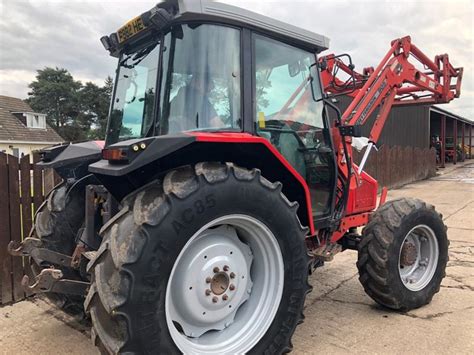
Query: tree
[[263, 83], [75, 111], [95, 102], [54, 92], [101, 123]]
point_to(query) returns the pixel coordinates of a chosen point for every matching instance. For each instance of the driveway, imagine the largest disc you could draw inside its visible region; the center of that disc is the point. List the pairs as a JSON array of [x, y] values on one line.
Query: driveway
[[340, 318]]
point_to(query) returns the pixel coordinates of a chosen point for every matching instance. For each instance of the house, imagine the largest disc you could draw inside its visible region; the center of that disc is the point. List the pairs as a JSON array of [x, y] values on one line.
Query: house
[[22, 130]]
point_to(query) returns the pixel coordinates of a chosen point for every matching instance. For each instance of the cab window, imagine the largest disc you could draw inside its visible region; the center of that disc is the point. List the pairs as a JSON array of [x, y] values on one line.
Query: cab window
[[286, 114], [200, 90]]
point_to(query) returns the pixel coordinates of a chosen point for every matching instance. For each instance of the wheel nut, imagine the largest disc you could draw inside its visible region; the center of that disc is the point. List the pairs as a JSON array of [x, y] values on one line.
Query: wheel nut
[[216, 270], [232, 275], [208, 280], [231, 287], [225, 297], [214, 299], [226, 268], [208, 292]]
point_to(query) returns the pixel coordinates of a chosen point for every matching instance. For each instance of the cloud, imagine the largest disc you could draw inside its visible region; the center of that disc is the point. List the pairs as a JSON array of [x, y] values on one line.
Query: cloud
[[364, 29], [35, 34], [65, 33]]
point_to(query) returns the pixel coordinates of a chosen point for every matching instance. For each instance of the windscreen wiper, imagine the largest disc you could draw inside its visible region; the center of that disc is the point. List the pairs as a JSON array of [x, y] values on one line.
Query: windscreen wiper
[[138, 56]]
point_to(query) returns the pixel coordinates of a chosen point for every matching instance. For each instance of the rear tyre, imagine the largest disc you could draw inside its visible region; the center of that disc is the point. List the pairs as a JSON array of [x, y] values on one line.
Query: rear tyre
[[212, 260], [57, 223], [403, 254]]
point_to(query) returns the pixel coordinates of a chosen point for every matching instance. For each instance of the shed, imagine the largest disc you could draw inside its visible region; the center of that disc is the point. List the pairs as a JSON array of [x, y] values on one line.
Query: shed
[[414, 142], [451, 134]]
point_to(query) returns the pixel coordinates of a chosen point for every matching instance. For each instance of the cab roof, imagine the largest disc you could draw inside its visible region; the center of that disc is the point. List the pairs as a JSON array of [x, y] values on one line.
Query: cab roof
[[169, 12], [207, 8]]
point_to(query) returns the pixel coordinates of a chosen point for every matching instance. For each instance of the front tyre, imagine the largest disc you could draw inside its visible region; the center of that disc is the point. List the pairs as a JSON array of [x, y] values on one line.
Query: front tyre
[[210, 261], [403, 254]]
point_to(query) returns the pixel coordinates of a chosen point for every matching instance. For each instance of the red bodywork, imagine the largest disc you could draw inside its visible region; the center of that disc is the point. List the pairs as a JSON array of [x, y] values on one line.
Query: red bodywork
[[250, 139], [395, 81]]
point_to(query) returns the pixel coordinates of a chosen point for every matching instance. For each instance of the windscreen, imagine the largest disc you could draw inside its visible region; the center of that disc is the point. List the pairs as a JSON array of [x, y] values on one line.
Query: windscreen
[[132, 109], [199, 87], [201, 79]]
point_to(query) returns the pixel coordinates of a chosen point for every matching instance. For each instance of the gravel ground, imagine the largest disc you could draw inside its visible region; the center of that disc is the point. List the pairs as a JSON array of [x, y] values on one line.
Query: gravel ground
[[340, 318]]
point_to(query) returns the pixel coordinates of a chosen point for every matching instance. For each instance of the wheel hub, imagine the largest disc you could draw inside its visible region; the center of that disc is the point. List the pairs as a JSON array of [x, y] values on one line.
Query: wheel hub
[[418, 257], [409, 254], [214, 281], [220, 283]]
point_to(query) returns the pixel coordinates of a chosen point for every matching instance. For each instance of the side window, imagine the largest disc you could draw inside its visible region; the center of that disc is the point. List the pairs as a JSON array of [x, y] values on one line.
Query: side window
[[283, 92], [286, 114]]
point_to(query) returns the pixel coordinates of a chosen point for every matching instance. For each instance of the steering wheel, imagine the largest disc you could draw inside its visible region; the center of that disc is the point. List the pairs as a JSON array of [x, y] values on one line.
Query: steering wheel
[[277, 128]]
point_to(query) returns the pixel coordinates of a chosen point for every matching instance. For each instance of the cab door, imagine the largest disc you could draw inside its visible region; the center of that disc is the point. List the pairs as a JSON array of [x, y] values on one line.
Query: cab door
[[286, 114]]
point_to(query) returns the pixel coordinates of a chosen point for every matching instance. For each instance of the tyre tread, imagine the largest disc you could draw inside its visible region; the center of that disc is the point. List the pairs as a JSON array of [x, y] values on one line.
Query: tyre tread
[[373, 257], [180, 183]]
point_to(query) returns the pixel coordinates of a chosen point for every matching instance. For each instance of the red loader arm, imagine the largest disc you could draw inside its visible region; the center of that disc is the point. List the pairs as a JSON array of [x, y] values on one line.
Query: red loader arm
[[395, 81], [331, 65]]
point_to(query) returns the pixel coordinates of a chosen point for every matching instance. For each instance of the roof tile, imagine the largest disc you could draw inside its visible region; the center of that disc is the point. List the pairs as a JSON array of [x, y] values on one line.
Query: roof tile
[[12, 129]]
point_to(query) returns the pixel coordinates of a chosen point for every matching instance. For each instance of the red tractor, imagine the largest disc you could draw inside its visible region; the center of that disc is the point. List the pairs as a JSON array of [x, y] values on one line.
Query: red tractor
[[223, 183]]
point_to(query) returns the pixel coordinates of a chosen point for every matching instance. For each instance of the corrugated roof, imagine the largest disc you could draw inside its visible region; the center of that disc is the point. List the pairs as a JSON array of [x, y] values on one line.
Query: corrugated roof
[[442, 111], [12, 129]]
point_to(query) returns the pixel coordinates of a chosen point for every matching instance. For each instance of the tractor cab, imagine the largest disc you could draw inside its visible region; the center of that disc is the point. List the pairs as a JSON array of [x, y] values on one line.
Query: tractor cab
[[184, 69]]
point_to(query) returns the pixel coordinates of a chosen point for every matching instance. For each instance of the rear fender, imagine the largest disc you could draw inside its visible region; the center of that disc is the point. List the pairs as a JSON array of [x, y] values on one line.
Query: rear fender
[[165, 153], [71, 161]]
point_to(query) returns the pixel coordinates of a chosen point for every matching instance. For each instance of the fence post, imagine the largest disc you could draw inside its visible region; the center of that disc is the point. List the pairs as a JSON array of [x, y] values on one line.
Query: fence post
[[6, 293], [26, 200], [15, 224], [26, 208], [37, 183]]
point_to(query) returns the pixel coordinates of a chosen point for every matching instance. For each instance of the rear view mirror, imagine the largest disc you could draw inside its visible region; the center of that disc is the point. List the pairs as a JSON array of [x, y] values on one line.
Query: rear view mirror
[[316, 90], [294, 69]]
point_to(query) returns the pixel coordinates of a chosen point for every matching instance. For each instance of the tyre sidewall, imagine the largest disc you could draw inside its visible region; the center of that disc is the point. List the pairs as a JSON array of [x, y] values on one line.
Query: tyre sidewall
[[419, 217], [146, 308]]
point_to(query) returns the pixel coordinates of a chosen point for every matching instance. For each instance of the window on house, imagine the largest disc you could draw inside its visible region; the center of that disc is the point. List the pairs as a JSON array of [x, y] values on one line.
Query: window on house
[[35, 121]]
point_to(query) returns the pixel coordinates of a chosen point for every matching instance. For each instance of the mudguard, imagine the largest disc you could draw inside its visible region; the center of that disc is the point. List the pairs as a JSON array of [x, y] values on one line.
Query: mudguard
[[71, 161], [164, 153]]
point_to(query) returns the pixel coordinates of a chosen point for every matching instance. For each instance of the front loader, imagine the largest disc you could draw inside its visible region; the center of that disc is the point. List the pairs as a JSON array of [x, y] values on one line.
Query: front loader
[[223, 182]]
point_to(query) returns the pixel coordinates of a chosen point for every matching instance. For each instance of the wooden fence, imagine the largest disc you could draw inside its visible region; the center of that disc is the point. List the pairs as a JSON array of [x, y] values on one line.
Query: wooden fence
[[396, 166], [23, 186]]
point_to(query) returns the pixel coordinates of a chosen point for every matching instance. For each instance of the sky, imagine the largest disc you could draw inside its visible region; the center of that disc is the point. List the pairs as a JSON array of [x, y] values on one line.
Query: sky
[[65, 33]]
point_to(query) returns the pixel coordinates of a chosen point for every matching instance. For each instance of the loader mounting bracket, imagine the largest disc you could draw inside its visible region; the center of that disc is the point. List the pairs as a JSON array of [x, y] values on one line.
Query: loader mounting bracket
[[351, 130]]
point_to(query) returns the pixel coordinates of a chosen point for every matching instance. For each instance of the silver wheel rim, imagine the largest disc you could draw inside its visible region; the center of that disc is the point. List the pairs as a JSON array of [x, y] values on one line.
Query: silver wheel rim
[[418, 257], [225, 287]]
